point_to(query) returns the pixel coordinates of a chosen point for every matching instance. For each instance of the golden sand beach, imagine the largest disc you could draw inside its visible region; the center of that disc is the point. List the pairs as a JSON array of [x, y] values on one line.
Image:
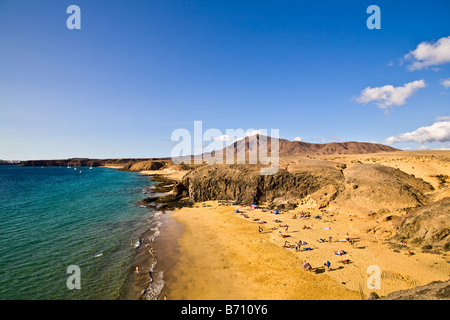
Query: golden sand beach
[[221, 255]]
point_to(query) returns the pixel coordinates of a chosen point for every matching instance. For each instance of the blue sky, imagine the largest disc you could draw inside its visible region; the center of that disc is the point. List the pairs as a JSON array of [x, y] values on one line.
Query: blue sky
[[138, 70]]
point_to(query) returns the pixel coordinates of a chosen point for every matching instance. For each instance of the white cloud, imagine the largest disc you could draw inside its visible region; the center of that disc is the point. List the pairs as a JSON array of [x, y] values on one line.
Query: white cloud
[[445, 83], [430, 54], [252, 132], [299, 139], [389, 95], [438, 131], [239, 135], [447, 118], [224, 137]]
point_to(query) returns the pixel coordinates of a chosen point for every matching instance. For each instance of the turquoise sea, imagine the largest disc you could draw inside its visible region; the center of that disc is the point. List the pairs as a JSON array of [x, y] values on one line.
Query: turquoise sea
[[54, 217]]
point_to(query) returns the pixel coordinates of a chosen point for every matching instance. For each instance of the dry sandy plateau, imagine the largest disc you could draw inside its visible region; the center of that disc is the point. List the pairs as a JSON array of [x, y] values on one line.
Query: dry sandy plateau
[[394, 205]]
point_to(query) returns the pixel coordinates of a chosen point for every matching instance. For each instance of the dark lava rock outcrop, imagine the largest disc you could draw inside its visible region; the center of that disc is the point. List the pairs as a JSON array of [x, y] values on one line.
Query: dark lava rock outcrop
[[364, 187], [245, 184]]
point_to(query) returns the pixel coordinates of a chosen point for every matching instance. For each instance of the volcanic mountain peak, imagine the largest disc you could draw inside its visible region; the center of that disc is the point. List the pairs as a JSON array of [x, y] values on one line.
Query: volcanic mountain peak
[[297, 148]]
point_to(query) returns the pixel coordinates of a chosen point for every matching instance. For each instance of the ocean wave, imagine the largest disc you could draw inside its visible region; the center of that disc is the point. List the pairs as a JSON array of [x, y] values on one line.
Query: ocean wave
[[155, 287]]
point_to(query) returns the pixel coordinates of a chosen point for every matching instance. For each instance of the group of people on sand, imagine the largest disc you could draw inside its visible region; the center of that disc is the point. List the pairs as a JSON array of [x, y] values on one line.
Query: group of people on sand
[[307, 266], [301, 245], [350, 240], [297, 246], [305, 215]]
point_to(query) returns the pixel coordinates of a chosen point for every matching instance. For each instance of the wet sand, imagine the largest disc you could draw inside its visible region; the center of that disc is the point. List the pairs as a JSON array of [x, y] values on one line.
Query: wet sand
[[143, 258], [168, 250], [210, 252]]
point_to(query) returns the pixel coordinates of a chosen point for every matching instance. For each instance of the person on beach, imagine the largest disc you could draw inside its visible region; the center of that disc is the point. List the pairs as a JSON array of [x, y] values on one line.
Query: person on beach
[[327, 264], [260, 229], [346, 261], [306, 266], [286, 228]]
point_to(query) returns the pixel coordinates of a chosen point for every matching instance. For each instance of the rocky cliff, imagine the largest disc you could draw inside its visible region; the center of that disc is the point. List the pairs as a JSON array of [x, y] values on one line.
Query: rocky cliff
[[427, 226], [245, 184], [366, 188]]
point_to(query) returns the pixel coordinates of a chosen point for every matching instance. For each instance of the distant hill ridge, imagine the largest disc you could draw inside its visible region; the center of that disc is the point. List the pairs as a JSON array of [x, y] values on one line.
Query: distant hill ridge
[[298, 148]]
